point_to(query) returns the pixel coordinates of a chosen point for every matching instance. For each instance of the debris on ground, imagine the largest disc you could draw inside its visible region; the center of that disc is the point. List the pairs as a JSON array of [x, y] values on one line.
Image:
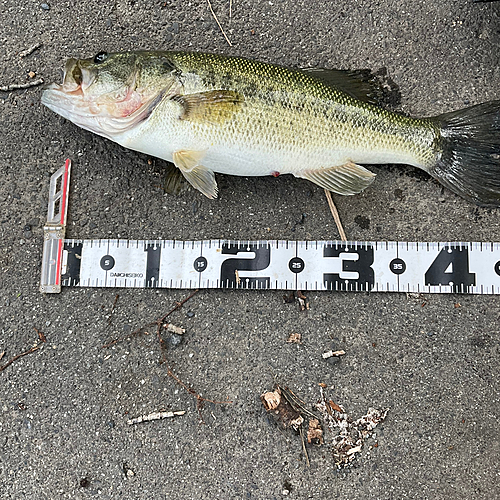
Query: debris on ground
[[315, 432], [294, 338], [330, 354], [346, 436], [284, 412], [300, 297], [290, 412], [351, 434], [303, 302], [19, 86], [174, 329], [29, 51], [35, 347], [157, 415], [160, 324]]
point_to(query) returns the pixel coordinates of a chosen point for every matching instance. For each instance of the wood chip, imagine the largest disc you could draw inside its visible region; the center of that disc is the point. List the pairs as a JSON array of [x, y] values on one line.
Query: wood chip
[[294, 338], [29, 51], [174, 329], [330, 354], [158, 415], [18, 86]]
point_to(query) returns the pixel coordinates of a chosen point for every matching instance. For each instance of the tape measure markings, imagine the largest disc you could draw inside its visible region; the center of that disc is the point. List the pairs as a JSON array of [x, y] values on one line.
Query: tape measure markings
[[288, 265]]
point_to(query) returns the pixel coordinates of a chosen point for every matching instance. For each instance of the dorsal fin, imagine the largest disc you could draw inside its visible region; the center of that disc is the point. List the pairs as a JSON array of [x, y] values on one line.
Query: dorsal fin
[[362, 84]]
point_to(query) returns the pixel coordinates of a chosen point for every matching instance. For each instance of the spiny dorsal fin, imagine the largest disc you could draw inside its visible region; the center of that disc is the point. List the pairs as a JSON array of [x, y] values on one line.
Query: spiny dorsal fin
[[214, 106], [345, 179], [362, 84]]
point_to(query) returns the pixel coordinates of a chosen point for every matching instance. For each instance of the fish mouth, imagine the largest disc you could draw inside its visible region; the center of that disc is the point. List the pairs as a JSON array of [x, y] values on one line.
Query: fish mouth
[[107, 114], [68, 98]]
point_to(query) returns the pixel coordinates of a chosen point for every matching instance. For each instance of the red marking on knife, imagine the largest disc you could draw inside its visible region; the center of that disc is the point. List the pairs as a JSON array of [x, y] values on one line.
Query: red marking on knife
[[64, 190], [59, 261]]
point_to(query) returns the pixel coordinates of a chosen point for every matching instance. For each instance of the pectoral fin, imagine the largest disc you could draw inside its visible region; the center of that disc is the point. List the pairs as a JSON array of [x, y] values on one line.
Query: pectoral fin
[[215, 106], [345, 179], [197, 175]]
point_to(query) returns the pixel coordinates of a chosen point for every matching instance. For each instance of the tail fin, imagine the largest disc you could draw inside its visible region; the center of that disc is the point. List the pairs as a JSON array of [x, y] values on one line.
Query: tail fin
[[469, 163]]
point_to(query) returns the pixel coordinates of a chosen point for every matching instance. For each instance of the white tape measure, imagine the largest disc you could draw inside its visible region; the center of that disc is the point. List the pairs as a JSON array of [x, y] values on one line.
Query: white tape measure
[[458, 267]]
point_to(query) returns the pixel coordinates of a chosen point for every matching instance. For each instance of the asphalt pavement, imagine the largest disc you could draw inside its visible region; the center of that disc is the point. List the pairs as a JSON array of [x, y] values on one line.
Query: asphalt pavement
[[433, 360]]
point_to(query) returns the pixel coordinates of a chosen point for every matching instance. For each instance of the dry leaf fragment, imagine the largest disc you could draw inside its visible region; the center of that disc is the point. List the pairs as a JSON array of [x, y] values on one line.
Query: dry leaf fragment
[[294, 338], [335, 407], [315, 432], [271, 400]]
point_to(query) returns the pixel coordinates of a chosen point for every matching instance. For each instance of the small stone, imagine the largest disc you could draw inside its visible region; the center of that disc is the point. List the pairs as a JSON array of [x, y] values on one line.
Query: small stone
[[174, 340], [45, 6], [190, 314], [111, 424], [32, 74], [175, 27], [92, 225]]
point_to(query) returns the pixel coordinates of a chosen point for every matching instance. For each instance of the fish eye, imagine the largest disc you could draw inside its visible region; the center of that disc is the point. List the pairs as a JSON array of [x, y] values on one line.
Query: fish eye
[[100, 57]]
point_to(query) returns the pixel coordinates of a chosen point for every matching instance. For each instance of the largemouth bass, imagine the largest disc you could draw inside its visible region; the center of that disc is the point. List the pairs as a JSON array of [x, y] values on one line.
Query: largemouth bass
[[208, 113]]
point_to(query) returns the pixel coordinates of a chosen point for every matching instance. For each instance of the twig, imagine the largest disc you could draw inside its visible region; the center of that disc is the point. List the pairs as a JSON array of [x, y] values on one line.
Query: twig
[[217, 21], [335, 214], [29, 51], [18, 86], [158, 322], [110, 317], [25, 353], [301, 430], [230, 8], [158, 415], [2, 354]]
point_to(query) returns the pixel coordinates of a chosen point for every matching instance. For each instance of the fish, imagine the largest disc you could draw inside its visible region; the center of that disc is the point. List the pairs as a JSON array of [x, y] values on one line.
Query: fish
[[209, 113]]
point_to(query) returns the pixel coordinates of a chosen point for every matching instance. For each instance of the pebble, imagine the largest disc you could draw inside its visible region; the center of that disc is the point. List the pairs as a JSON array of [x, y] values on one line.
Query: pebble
[[190, 314], [174, 340], [45, 6]]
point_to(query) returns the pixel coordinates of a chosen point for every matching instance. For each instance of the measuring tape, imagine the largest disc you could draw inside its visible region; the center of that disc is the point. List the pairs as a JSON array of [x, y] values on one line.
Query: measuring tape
[[419, 267]]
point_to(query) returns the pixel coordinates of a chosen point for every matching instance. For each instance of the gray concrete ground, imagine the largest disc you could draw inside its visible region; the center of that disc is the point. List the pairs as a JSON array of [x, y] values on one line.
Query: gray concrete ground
[[63, 409]]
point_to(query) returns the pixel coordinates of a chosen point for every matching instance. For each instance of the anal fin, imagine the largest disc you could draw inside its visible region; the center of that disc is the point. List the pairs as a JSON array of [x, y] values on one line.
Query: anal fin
[[345, 179], [200, 177]]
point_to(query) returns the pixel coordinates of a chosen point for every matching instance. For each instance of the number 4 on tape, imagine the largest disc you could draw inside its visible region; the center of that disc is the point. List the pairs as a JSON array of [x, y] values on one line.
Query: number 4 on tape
[[385, 266]]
